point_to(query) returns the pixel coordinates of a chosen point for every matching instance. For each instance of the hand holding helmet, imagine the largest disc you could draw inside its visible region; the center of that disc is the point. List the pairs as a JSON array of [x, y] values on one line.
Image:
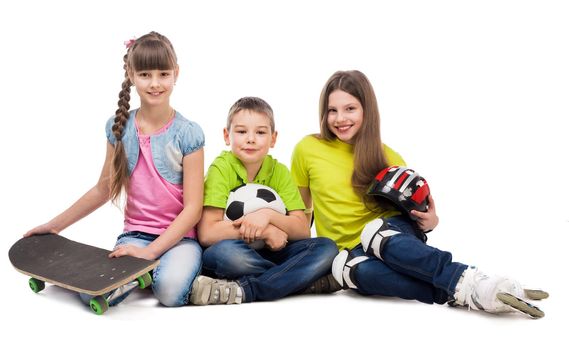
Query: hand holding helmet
[[409, 192]]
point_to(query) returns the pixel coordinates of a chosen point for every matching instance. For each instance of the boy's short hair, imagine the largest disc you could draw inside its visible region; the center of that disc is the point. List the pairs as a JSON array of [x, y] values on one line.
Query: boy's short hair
[[254, 104]]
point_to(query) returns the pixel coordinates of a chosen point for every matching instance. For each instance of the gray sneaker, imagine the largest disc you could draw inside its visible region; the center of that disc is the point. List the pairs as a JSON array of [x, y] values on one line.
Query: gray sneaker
[[324, 285], [210, 291]]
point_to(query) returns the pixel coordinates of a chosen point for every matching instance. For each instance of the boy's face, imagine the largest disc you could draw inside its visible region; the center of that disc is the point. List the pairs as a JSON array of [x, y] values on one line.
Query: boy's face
[[250, 136]]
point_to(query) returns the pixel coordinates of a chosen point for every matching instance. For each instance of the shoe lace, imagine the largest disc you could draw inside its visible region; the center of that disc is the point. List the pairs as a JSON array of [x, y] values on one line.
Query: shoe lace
[[467, 294], [484, 290]]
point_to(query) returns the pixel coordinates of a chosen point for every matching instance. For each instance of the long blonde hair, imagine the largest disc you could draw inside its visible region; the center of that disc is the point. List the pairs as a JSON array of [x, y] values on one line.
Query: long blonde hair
[[369, 157], [149, 52]]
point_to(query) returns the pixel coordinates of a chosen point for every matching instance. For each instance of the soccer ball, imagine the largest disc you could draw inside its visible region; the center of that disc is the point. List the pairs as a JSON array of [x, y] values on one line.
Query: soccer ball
[[251, 197]]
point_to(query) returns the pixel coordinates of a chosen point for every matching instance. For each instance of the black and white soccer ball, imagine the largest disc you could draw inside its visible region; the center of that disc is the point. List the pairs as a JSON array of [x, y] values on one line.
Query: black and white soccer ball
[[251, 197]]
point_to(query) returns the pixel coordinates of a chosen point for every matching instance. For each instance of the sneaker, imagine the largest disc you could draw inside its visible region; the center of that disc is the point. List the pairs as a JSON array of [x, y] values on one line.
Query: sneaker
[[493, 294], [324, 285], [210, 291]]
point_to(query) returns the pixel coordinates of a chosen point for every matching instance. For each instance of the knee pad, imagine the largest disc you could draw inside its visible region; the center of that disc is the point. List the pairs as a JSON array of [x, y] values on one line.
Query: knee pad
[[375, 236], [343, 268]]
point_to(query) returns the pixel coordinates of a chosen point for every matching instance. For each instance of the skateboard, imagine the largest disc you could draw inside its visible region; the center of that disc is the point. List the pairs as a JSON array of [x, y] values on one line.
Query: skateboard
[[79, 267]]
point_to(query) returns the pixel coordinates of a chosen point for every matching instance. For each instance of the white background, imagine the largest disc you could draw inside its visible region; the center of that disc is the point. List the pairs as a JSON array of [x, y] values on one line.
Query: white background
[[474, 95]]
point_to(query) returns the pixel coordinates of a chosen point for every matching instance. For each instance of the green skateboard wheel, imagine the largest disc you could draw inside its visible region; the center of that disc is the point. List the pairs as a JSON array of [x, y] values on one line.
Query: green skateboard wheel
[[36, 285], [99, 305], [144, 280]]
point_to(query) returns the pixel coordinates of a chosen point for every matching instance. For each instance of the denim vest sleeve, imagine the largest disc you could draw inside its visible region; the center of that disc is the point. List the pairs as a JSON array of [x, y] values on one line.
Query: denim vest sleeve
[[193, 138], [109, 130], [169, 148], [129, 138]]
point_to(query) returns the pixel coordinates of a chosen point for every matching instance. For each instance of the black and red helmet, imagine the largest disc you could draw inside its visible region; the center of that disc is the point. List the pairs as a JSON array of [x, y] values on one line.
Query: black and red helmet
[[403, 188]]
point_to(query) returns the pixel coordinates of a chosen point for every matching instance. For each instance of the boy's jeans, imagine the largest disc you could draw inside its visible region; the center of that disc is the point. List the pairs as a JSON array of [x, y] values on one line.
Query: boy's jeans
[[268, 275]]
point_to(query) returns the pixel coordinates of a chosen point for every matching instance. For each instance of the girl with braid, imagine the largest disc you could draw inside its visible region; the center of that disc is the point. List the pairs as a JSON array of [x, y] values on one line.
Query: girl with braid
[[155, 158]]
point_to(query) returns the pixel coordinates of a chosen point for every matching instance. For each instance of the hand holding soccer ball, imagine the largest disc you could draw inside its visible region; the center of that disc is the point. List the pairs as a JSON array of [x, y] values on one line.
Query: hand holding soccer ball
[[248, 199], [252, 225]]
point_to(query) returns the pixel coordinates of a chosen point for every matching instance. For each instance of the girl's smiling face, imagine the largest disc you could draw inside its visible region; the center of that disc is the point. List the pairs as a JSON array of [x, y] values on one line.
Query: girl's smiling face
[[154, 86], [345, 115]]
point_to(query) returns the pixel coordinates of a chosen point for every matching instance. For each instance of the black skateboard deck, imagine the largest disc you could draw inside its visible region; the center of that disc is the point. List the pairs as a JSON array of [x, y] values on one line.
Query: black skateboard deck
[[77, 266]]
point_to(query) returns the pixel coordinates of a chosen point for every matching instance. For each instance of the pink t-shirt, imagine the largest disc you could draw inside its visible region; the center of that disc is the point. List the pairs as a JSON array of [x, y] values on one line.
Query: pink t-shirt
[[152, 202]]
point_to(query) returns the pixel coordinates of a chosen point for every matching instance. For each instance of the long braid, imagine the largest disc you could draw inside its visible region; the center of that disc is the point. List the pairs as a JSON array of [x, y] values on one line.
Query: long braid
[[119, 178], [151, 51]]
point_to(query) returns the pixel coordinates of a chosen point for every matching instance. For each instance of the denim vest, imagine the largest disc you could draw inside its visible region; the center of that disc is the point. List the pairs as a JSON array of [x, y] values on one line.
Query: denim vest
[[168, 148]]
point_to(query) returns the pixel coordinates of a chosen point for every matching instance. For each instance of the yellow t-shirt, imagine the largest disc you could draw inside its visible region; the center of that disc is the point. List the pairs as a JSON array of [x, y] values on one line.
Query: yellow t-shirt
[[326, 168]]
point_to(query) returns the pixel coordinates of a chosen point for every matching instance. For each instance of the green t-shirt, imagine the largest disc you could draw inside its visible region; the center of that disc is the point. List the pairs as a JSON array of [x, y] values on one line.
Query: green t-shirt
[[326, 168], [227, 172]]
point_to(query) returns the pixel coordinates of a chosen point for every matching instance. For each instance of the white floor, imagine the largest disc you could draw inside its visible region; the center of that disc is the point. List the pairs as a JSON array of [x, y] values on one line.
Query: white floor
[[55, 318], [472, 94]]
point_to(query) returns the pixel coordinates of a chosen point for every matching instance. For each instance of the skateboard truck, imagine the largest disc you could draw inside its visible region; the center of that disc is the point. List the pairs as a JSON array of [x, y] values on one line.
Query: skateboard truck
[[100, 304], [81, 268]]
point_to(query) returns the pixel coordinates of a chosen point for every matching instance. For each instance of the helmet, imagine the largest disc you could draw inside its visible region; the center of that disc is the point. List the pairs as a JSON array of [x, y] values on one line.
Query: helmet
[[402, 187]]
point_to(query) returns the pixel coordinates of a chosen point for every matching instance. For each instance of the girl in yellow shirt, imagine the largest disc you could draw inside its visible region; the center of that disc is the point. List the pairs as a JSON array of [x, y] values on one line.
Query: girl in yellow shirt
[[334, 170]]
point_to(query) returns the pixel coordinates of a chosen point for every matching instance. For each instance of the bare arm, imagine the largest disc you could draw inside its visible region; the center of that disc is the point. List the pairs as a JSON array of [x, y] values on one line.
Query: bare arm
[[213, 228], [89, 202], [294, 224], [253, 224], [307, 198], [193, 165]]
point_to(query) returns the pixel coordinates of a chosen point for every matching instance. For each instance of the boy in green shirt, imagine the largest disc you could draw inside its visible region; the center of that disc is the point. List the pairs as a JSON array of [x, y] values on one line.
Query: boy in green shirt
[[290, 260]]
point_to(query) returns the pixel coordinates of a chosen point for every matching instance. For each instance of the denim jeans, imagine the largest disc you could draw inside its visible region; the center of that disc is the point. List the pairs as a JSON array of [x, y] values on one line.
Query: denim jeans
[[267, 275], [172, 279], [410, 268]]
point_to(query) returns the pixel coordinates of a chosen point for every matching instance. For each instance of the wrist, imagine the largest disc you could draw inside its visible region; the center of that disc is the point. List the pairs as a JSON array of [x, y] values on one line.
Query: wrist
[[265, 234], [151, 252], [53, 227]]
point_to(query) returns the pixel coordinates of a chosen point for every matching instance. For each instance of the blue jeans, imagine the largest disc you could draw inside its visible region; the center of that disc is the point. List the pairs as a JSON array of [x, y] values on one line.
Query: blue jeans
[[172, 279], [410, 269], [267, 275]]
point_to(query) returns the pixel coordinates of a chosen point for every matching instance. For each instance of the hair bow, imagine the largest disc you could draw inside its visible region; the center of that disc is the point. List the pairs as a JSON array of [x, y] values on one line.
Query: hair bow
[[129, 43]]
